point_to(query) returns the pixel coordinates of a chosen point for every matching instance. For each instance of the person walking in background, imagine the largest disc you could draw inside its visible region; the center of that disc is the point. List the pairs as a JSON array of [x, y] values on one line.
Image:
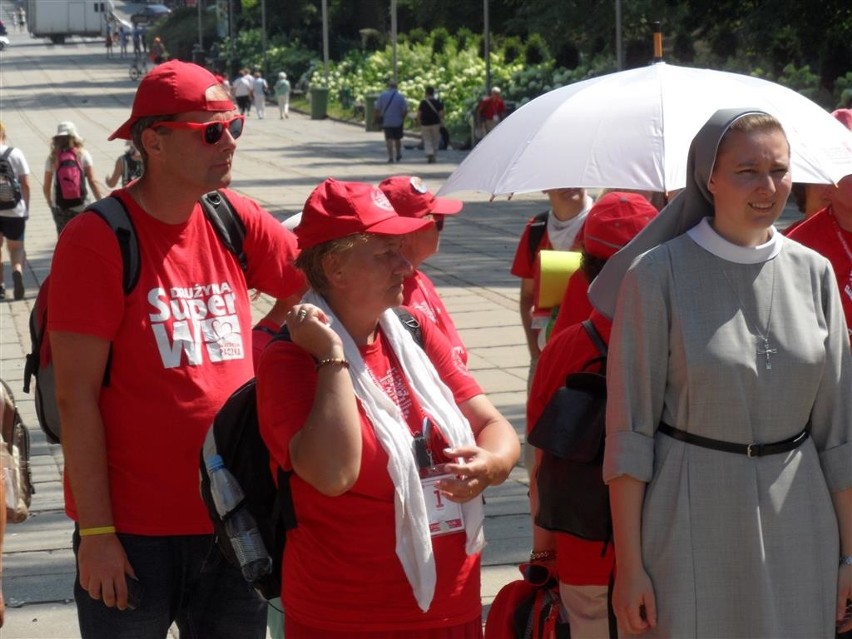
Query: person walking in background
[[491, 110], [430, 117], [157, 51], [282, 95], [137, 41], [128, 167], [410, 197], [729, 417], [13, 215], [390, 111], [135, 502], [123, 38], [242, 89], [109, 42], [67, 171], [345, 405], [259, 88]]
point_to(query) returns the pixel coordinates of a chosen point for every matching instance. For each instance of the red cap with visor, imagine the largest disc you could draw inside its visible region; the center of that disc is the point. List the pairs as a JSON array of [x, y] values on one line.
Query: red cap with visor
[[412, 198], [339, 209], [614, 220], [172, 88]]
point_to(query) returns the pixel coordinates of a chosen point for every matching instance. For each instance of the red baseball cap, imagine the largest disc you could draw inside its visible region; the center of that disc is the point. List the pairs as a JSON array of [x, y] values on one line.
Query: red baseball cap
[[614, 220], [412, 198], [172, 88], [339, 209]]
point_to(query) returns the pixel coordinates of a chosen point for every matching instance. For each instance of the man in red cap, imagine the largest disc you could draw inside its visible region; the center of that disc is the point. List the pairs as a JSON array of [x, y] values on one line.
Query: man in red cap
[[411, 198], [583, 566], [173, 348], [829, 231]]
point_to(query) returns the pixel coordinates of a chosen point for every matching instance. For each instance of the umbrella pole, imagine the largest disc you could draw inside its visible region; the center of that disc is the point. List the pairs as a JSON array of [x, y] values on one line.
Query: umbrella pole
[[658, 41]]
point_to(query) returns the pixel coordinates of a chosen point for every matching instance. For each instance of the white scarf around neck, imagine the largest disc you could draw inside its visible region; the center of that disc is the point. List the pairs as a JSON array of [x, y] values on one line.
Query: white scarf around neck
[[563, 235], [413, 539]]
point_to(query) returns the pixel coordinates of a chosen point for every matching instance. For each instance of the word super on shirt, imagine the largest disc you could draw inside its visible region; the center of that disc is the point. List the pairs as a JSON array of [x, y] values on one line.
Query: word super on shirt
[[180, 345], [204, 323]]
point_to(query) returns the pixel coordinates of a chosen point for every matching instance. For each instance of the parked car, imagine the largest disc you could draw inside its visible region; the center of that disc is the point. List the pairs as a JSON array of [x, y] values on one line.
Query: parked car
[[150, 14]]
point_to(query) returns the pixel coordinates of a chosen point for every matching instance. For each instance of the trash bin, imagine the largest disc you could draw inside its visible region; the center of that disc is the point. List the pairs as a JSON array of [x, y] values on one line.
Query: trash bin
[[319, 103], [369, 105]]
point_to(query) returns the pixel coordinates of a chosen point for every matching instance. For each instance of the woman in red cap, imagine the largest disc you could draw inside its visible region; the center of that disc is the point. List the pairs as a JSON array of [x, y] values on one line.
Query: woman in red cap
[[391, 444], [583, 566]]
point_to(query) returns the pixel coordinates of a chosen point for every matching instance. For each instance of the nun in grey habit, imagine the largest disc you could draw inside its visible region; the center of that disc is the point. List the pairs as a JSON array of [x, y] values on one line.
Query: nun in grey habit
[[716, 346]]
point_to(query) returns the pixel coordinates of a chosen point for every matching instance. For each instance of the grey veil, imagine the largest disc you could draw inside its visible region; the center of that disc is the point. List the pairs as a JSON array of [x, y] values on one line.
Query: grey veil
[[685, 210]]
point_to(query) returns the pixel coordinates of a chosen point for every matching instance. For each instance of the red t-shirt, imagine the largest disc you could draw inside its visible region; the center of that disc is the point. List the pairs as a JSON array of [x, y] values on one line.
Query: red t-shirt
[[819, 232], [492, 106], [261, 335], [524, 262], [578, 561], [180, 346], [575, 305], [419, 292], [342, 572]]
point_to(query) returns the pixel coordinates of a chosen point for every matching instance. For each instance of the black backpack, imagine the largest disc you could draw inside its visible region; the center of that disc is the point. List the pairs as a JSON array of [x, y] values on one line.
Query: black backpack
[[10, 185], [573, 497], [39, 363], [235, 436]]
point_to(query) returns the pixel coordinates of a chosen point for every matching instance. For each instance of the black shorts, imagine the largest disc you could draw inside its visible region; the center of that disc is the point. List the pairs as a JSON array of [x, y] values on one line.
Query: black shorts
[[244, 102], [393, 132], [12, 228]]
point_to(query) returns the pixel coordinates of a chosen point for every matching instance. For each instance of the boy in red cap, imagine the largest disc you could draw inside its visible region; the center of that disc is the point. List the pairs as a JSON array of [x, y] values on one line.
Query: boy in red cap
[[583, 566], [411, 198], [175, 347]]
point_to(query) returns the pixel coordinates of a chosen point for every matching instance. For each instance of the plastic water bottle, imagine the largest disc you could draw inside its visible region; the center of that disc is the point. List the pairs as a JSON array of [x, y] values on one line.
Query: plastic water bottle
[[241, 527]]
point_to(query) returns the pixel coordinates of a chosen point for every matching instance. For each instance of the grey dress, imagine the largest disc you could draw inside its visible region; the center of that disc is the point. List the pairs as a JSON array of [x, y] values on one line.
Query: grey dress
[[735, 547]]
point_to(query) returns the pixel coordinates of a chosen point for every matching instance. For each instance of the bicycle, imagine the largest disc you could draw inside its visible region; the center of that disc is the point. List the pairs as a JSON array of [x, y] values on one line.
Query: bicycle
[[137, 70]]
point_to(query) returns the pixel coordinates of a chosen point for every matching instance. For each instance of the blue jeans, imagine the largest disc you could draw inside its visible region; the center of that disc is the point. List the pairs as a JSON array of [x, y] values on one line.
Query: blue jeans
[[186, 580]]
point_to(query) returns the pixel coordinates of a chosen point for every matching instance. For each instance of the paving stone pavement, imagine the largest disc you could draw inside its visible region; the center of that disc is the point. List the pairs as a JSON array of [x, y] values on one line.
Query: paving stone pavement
[[277, 163]]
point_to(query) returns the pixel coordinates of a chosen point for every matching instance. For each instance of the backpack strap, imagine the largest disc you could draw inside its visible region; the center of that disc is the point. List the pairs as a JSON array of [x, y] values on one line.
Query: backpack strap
[[228, 225], [537, 228], [112, 211], [595, 336], [6, 153]]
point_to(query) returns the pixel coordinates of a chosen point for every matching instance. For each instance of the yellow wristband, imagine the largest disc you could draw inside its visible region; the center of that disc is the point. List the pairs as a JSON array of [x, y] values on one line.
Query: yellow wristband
[[100, 530]]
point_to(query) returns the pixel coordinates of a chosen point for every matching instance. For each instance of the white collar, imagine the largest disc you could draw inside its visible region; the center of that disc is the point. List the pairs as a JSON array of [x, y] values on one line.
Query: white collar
[[707, 238]]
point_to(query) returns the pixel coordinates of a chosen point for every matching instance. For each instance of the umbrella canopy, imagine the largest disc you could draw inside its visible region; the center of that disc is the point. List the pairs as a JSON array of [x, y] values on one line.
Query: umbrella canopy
[[632, 130]]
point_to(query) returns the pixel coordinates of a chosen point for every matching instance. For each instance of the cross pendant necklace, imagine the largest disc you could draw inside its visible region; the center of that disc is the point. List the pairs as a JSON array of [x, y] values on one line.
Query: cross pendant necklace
[[766, 351]]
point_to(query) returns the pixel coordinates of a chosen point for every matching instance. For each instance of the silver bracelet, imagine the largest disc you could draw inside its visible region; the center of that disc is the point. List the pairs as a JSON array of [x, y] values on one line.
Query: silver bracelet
[[846, 560]]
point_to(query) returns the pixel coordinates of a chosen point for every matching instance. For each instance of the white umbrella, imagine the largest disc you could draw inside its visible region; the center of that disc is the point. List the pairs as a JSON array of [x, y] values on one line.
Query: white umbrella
[[632, 129]]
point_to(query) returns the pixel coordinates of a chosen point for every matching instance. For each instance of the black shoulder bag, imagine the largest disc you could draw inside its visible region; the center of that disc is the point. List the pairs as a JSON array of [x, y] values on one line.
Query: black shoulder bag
[[570, 433]]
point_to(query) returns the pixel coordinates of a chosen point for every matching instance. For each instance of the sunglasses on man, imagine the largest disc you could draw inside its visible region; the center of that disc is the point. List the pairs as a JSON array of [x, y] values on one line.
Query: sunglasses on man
[[213, 131]]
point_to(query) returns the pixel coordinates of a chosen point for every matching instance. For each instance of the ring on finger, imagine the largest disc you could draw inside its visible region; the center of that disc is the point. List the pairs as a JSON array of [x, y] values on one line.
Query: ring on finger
[[302, 314]]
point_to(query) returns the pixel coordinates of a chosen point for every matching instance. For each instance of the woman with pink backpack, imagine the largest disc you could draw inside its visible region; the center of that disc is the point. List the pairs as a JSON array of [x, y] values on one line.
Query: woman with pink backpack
[[67, 170]]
